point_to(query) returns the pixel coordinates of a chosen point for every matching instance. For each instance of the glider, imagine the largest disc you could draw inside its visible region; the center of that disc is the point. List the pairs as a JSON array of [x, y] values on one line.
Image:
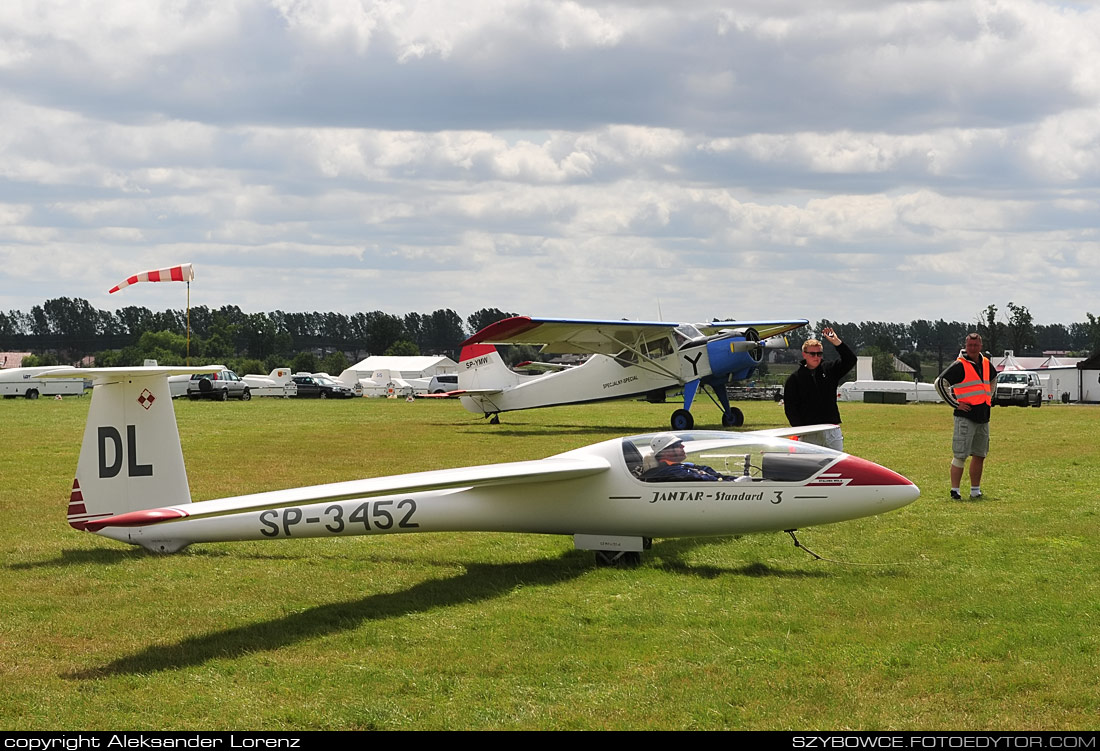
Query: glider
[[131, 485], [627, 358]]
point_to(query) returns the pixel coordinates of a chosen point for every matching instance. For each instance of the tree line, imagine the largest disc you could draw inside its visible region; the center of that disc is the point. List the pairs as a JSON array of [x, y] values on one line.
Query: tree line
[[67, 330]]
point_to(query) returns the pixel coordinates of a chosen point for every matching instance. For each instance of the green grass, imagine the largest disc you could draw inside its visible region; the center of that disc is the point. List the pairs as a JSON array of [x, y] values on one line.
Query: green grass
[[943, 615]]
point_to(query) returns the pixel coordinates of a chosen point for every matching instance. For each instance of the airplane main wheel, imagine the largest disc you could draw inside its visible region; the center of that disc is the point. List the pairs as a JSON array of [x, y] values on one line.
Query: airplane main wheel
[[625, 559], [682, 420], [735, 418], [494, 420]]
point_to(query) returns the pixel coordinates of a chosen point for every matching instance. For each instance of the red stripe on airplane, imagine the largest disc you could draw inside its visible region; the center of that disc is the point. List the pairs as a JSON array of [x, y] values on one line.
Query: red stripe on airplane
[[862, 472], [136, 518], [473, 351], [502, 330]]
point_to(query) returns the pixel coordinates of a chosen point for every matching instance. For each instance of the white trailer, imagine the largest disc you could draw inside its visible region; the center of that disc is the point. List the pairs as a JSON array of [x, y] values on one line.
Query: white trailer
[[25, 382]]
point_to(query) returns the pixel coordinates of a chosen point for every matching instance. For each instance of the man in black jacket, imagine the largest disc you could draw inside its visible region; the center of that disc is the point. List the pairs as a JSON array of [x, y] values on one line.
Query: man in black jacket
[[809, 397]]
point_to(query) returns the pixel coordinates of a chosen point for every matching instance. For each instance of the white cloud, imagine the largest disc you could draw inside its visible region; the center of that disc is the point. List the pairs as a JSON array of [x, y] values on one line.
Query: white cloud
[[564, 158]]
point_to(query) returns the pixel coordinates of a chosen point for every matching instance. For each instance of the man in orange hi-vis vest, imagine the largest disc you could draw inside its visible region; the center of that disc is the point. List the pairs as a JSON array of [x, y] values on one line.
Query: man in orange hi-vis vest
[[967, 385]]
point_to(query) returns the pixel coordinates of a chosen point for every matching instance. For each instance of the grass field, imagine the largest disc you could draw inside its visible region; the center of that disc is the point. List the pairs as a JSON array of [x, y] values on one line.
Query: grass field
[[943, 615]]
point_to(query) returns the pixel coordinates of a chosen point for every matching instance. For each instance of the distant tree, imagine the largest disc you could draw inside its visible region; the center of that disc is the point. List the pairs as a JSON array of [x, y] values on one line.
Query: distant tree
[[40, 361], [1092, 332], [304, 362], [248, 365], [1021, 331], [1054, 336], [482, 318], [402, 348], [443, 332], [334, 363], [990, 329], [383, 330]]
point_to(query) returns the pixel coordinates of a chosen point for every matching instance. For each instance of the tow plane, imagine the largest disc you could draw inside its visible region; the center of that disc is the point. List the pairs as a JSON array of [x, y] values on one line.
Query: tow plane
[[131, 486], [627, 358]]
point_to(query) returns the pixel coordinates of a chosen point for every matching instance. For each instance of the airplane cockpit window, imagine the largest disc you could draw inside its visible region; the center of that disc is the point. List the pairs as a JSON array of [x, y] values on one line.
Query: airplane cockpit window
[[685, 333], [656, 348], [712, 456], [627, 357]]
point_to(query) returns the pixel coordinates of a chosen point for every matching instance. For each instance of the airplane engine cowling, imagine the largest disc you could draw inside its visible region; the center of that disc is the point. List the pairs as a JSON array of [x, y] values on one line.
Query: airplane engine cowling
[[737, 357]]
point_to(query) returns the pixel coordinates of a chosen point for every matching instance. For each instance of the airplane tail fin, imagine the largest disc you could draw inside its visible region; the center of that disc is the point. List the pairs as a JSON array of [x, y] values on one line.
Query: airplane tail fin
[[481, 368], [130, 458]]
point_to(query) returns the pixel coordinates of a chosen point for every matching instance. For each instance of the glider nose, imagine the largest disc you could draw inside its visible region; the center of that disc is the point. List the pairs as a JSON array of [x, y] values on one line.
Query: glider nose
[[892, 489]]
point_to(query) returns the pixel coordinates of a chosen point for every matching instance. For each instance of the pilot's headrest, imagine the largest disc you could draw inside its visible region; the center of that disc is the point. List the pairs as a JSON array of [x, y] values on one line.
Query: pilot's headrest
[[663, 441]]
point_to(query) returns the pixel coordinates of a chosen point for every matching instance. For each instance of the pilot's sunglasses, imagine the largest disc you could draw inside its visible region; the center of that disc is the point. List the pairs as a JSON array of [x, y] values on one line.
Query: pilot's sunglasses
[[819, 353]]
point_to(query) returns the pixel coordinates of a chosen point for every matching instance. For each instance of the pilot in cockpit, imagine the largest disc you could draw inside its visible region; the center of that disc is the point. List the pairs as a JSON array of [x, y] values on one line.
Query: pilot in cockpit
[[669, 454]]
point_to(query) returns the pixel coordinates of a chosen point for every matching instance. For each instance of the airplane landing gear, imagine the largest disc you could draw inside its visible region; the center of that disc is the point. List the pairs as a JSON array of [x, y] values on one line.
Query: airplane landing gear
[[682, 420], [735, 418], [494, 420]]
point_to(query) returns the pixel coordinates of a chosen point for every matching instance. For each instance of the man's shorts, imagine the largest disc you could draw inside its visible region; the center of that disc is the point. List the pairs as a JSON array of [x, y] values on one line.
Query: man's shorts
[[970, 438]]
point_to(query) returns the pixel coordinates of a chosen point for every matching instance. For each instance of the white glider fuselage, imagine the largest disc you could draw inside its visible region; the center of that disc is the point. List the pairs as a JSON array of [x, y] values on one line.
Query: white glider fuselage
[[131, 486], [596, 379]]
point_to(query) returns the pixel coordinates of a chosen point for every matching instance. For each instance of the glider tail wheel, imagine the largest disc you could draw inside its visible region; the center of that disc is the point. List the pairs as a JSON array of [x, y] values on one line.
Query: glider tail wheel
[[682, 420], [735, 418]]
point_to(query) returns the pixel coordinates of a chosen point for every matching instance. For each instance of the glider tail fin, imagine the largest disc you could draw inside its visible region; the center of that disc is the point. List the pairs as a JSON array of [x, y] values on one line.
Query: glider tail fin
[[482, 368], [130, 458]]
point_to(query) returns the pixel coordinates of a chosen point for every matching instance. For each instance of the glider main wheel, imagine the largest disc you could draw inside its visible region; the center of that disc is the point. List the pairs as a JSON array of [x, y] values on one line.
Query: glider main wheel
[[682, 420], [494, 420], [621, 559], [735, 418], [246, 395]]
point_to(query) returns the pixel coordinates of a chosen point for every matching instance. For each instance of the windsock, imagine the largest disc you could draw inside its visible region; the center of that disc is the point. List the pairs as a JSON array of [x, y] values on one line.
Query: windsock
[[182, 273]]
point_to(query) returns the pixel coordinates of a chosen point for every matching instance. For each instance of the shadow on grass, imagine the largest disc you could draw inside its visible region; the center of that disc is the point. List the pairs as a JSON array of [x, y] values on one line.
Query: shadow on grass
[[479, 582], [669, 555], [102, 557]]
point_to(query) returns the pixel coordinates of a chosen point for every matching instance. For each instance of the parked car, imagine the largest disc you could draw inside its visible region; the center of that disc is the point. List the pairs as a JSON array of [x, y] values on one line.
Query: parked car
[[219, 385], [315, 386], [1022, 389]]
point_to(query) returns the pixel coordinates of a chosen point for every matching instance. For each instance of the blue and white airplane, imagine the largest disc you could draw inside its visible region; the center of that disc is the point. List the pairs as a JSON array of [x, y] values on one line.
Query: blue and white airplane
[[627, 358]]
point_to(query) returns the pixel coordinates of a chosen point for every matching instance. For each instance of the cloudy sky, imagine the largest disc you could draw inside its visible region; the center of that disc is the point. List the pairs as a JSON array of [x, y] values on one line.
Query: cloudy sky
[[852, 160]]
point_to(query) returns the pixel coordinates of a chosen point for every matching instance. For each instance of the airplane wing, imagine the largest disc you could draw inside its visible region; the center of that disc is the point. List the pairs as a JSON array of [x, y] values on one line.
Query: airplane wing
[[542, 470], [766, 329], [459, 392], [794, 433], [543, 366], [588, 336]]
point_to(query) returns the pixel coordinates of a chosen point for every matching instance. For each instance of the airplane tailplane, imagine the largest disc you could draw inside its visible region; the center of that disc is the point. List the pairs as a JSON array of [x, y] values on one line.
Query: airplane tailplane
[[130, 458], [482, 368]]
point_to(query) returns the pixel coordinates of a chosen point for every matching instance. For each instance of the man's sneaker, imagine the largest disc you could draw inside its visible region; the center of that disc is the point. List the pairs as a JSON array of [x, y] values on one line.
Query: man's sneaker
[[955, 495], [976, 496]]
